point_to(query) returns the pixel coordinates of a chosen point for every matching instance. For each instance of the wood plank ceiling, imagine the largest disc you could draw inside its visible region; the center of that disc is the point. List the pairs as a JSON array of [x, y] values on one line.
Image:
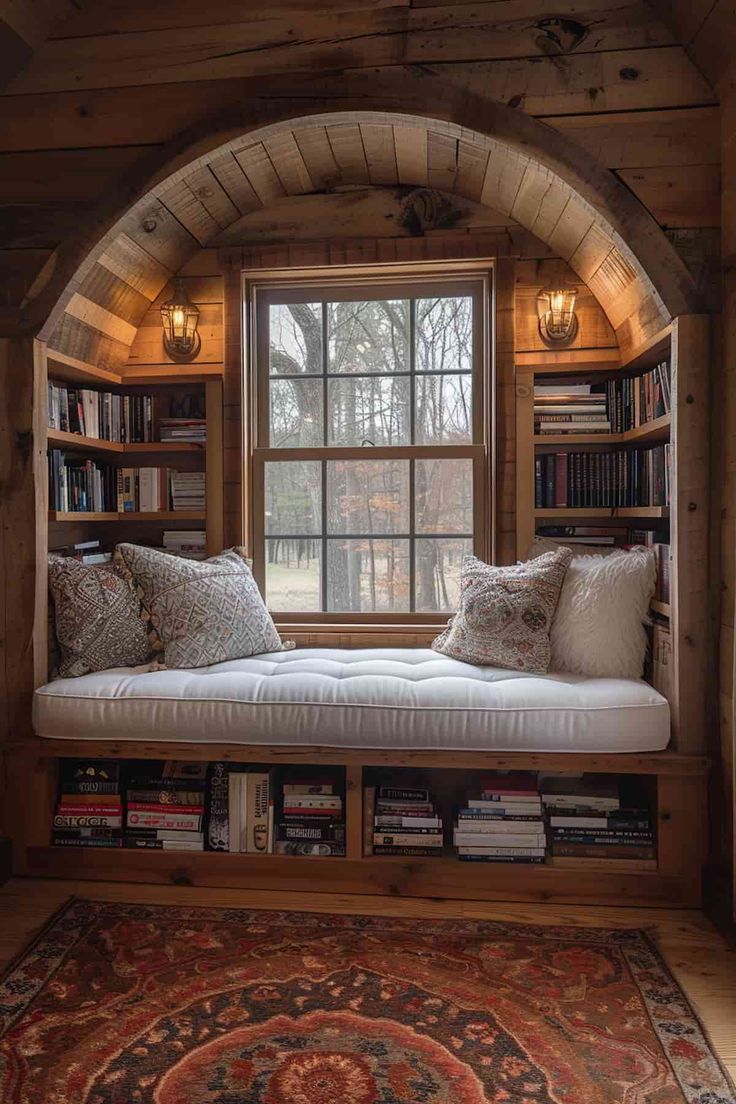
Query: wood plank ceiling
[[121, 87]]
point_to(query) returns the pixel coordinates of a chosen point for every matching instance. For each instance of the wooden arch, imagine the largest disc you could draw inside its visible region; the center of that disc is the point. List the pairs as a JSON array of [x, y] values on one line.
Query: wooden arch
[[367, 129]]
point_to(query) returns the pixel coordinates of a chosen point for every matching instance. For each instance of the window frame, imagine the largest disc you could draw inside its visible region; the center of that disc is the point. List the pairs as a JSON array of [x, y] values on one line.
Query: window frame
[[260, 291]]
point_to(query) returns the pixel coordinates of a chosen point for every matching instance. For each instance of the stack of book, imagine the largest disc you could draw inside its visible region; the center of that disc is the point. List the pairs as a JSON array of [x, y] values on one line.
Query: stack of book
[[573, 409], [142, 490], [165, 806], [89, 811], [183, 430], [101, 414], [588, 823], [187, 490], [80, 486], [87, 552], [311, 820], [634, 402], [504, 824], [401, 820], [189, 543], [616, 478], [251, 810]]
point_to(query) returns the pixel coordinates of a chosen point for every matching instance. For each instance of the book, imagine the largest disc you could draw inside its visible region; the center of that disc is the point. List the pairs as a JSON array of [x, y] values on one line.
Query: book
[[295, 847], [237, 794], [502, 858], [402, 794], [133, 842], [314, 789], [165, 834], [526, 839], [319, 803], [311, 831], [385, 820], [407, 839], [86, 833], [569, 862], [609, 850], [168, 819], [63, 841], [426, 852], [255, 834], [87, 820], [369, 818], [481, 821], [490, 849]]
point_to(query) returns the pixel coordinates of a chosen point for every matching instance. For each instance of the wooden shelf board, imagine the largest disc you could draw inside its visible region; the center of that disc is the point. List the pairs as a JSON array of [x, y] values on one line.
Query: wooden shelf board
[[399, 875], [139, 375], [650, 763], [61, 366], [164, 446], [603, 512], [656, 430], [662, 608], [154, 515], [568, 361], [60, 437], [649, 351]]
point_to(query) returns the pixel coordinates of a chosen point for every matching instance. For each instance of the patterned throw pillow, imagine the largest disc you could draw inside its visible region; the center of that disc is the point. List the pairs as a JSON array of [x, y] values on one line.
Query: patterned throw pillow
[[506, 613], [98, 618], [203, 611]]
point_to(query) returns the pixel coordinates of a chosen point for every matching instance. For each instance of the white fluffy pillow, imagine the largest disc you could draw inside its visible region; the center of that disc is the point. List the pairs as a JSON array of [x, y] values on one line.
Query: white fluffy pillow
[[598, 628]]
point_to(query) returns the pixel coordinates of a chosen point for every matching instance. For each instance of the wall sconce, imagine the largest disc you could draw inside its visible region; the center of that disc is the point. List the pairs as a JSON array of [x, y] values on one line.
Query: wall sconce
[[180, 317], [558, 323]]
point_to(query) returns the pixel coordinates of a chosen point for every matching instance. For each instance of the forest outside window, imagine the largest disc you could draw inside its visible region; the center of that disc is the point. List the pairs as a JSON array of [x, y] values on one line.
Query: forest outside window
[[370, 457]]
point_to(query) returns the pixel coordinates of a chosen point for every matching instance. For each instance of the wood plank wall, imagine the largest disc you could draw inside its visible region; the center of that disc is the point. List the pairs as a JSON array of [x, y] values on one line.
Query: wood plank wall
[[100, 97]]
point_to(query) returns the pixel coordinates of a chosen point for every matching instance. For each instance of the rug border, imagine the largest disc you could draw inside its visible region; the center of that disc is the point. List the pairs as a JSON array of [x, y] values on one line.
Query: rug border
[[647, 936], [650, 938], [15, 960]]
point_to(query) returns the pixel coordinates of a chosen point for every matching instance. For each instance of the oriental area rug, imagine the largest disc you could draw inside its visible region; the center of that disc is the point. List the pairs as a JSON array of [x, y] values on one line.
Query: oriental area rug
[[135, 1004]]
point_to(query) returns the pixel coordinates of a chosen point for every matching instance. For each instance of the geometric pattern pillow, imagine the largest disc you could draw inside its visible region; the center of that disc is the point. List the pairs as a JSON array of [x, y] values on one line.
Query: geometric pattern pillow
[[98, 618], [203, 611], [506, 613]]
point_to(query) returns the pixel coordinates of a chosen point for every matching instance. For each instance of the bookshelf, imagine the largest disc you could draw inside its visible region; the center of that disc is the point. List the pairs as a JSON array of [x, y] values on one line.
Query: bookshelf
[[685, 344], [59, 528]]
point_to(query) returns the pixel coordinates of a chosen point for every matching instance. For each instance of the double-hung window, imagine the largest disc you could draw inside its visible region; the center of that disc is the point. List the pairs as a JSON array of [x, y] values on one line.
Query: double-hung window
[[371, 440]]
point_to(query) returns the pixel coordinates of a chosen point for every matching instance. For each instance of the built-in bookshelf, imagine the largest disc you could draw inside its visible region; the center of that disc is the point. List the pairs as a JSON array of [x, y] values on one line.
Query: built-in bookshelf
[[84, 420], [645, 414]]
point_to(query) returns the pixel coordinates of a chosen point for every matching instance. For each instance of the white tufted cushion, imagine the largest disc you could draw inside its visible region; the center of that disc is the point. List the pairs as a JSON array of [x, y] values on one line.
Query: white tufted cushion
[[378, 697]]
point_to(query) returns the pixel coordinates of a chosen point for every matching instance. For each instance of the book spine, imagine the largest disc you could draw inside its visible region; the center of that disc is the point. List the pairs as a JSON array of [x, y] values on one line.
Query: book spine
[[406, 839], [502, 858], [609, 850], [369, 810], [165, 820], [406, 850], [87, 821], [393, 793], [256, 833], [82, 842]]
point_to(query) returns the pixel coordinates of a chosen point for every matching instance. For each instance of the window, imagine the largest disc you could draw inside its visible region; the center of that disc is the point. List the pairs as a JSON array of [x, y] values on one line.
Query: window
[[369, 482]]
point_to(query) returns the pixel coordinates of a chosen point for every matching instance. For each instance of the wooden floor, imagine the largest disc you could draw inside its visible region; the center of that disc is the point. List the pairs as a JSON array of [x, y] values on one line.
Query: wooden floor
[[697, 955]]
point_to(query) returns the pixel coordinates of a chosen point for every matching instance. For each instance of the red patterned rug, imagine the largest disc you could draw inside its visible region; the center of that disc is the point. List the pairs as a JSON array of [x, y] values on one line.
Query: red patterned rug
[[135, 1004]]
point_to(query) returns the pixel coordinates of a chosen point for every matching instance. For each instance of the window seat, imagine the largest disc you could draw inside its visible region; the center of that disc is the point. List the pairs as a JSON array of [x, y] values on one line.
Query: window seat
[[369, 698]]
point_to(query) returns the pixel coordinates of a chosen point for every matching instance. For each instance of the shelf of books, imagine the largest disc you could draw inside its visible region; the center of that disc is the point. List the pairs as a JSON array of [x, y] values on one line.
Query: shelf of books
[[599, 449], [402, 830], [132, 457]]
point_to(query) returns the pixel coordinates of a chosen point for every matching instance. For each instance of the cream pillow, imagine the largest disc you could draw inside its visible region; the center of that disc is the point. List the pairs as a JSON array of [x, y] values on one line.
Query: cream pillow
[[598, 629]]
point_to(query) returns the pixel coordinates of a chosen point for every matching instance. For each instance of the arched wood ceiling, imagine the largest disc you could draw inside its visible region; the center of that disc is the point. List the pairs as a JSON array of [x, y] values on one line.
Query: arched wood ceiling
[[582, 212]]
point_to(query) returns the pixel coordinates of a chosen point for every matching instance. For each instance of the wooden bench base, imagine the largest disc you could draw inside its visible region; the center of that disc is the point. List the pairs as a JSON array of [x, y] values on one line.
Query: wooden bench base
[[679, 787]]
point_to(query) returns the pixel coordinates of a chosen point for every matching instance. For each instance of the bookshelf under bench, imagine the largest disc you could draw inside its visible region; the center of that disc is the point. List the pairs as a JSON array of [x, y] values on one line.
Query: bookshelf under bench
[[676, 785]]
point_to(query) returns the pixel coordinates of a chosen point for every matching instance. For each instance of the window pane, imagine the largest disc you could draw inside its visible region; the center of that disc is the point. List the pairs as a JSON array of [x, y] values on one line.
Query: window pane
[[293, 574], [372, 336], [444, 410], [444, 335], [295, 338], [367, 575], [368, 496], [296, 413], [373, 410], [438, 564], [443, 495], [293, 498]]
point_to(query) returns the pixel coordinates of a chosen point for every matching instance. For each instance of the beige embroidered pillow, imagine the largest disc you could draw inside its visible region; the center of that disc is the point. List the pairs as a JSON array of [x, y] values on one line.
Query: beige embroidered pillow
[[506, 613], [203, 611], [97, 615]]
